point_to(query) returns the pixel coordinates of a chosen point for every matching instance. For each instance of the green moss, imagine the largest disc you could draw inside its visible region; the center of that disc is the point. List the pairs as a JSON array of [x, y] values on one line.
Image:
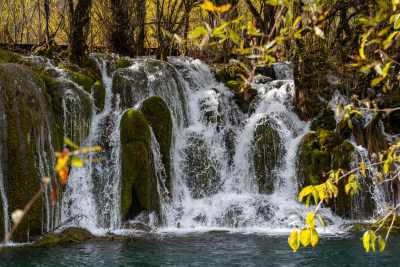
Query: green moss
[[328, 140], [324, 122], [134, 127], [234, 85], [386, 224], [70, 234], [135, 140], [122, 63], [82, 80], [319, 153], [159, 118], [315, 156], [47, 241], [267, 152], [135, 176], [99, 95], [8, 57]]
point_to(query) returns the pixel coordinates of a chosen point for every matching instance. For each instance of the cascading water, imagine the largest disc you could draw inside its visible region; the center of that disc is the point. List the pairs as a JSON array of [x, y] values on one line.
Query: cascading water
[[216, 153], [93, 189]]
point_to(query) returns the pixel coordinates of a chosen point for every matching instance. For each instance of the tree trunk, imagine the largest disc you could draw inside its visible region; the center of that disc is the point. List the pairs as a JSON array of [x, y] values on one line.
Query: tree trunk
[[79, 22], [141, 19]]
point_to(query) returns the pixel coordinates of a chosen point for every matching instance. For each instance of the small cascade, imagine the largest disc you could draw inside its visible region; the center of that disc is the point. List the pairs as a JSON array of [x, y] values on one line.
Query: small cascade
[[93, 190]]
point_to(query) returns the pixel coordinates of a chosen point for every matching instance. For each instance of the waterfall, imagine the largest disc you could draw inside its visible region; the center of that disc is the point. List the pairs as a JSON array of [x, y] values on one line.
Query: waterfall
[[93, 190]]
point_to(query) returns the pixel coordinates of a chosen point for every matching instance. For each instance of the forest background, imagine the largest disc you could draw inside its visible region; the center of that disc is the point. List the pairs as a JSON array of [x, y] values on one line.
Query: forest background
[[345, 45]]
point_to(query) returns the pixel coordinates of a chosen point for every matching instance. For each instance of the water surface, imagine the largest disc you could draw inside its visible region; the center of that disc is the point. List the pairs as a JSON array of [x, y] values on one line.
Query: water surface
[[224, 249]]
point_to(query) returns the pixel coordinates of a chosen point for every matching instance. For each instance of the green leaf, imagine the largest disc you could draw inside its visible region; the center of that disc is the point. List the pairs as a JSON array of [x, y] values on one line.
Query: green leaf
[[294, 239], [350, 123], [310, 221], [70, 143], [305, 237], [77, 162], [382, 243]]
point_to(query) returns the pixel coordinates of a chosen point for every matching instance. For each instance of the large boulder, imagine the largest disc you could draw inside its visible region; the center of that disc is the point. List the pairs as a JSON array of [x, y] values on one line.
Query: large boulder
[[27, 130], [135, 141], [321, 152], [159, 118]]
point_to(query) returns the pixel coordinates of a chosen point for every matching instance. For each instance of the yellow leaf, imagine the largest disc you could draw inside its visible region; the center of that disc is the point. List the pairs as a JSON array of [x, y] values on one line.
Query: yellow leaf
[[364, 173], [305, 237], [376, 81], [70, 143], [367, 240], [95, 148], [386, 69], [294, 239], [314, 237], [380, 176], [77, 162], [306, 191], [387, 164], [310, 222], [62, 160], [382, 243]]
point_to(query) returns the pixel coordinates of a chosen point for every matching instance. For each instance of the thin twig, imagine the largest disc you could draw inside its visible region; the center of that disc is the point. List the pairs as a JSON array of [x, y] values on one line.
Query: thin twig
[[26, 209]]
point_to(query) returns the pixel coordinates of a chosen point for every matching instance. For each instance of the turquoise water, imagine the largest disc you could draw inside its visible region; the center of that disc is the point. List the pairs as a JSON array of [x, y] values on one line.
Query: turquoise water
[[206, 250]]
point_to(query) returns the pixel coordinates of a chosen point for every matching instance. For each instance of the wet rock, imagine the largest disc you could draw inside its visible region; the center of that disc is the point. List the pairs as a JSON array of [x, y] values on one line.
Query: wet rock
[[326, 121], [68, 235], [259, 79], [268, 153]]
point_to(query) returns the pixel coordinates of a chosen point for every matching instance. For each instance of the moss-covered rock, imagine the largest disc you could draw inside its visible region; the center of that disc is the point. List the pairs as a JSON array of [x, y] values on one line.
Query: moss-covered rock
[[68, 235], [200, 170], [8, 57], [26, 126], [135, 141], [159, 117], [267, 154], [82, 80], [123, 63], [99, 95], [321, 152], [387, 223], [326, 121]]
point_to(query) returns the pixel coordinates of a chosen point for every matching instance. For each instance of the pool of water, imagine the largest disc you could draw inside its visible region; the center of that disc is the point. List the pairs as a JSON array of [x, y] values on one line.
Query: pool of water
[[223, 249]]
